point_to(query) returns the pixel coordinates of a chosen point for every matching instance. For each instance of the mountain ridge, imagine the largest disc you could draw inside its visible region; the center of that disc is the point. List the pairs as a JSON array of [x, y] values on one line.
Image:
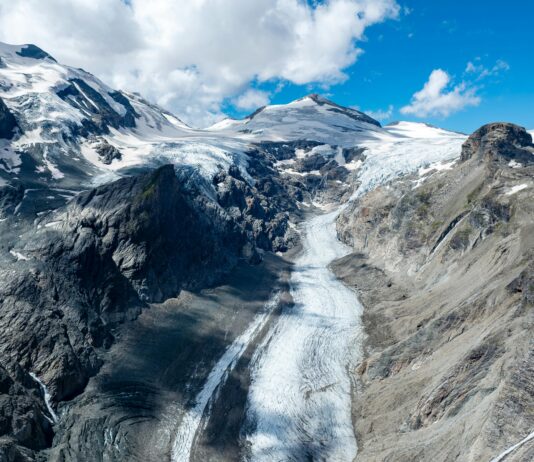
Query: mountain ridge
[[137, 253]]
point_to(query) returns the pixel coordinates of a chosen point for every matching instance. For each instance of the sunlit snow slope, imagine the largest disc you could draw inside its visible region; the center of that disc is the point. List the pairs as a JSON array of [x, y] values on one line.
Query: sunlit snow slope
[[310, 118]]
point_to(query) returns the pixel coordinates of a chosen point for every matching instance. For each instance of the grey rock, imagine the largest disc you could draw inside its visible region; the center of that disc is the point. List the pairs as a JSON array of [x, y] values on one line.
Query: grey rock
[[499, 141], [107, 152], [444, 273], [33, 51], [8, 123]]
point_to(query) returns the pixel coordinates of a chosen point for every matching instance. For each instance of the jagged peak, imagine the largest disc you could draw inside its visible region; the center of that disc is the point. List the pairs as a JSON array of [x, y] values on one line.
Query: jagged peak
[[27, 50]]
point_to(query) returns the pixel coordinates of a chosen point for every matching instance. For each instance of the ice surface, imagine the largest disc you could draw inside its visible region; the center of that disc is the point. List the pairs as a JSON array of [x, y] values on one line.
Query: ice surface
[[299, 402], [394, 154], [192, 419], [53, 416]]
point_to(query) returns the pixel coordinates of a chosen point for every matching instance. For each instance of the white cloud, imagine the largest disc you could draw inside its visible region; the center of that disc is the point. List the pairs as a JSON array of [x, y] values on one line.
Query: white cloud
[[189, 55], [437, 98], [482, 71], [252, 99], [381, 114]]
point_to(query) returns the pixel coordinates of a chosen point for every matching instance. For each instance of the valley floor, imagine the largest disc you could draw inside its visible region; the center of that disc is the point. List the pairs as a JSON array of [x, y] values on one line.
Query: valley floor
[[282, 390], [131, 410], [255, 369]]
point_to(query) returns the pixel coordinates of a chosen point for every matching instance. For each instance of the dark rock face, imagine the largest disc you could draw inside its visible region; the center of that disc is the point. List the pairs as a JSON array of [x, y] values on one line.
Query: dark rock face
[[101, 114], [8, 123], [33, 51], [94, 264], [355, 153], [283, 150], [107, 152], [499, 141], [10, 197], [147, 236], [21, 415], [310, 163], [254, 209]]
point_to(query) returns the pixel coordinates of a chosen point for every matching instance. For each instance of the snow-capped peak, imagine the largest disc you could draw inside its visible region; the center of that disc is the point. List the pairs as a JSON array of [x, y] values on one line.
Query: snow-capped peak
[[77, 130], [312, 117]]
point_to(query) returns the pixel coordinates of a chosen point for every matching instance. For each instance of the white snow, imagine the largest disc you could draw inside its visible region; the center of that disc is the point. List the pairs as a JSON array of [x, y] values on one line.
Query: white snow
[[192, 419], [514, 164], [301, 119], [31, 137], [299, 398], [419, 130], [353, 165], [51, 167], [511, 449], [207, 155], [53, 416], [423, 172], [438, 167], [393, 155], [18, 255], [517, 188]]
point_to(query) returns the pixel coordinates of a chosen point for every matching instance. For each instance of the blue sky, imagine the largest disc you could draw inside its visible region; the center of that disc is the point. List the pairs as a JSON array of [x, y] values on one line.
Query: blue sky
[[456, 64], [399, 56]]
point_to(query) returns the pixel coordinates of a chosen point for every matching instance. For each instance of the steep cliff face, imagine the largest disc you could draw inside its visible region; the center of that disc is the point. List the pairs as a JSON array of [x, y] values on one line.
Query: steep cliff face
[[92, 265], [7, 121], [443, 265]]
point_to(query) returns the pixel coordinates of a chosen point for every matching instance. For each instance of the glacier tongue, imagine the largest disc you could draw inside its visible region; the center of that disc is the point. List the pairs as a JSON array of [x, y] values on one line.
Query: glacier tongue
[[192, 419], [299, 403]]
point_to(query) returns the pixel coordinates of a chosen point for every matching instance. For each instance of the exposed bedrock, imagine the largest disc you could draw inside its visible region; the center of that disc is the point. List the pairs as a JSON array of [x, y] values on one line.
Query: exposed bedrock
[[96, 262], [8, 123]]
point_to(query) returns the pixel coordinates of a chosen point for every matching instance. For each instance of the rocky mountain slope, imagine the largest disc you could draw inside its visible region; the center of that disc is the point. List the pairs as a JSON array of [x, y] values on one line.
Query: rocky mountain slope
[[443, 265], [137, 253]]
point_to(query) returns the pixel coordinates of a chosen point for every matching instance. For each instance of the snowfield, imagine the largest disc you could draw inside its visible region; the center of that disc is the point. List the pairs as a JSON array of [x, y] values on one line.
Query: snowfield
[[309, 118], [405, 148]]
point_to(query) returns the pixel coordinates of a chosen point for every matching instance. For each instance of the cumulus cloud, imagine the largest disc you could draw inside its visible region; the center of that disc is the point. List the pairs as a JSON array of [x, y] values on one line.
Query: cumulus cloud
[[252, 99], [439, 98], [381, 114], [191, 55]]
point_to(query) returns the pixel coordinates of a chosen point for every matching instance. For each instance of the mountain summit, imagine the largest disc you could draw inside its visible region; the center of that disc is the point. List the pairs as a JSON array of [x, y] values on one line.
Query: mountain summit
[[312, 117]]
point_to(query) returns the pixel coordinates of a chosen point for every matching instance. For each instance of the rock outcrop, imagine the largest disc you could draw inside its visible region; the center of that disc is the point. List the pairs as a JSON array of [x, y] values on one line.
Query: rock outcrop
[[499, 142], [24, 423], [107, 152], [8, 123]]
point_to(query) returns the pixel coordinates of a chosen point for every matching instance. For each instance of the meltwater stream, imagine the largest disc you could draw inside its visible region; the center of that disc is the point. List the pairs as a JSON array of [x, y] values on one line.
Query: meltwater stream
[[299, 403]]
